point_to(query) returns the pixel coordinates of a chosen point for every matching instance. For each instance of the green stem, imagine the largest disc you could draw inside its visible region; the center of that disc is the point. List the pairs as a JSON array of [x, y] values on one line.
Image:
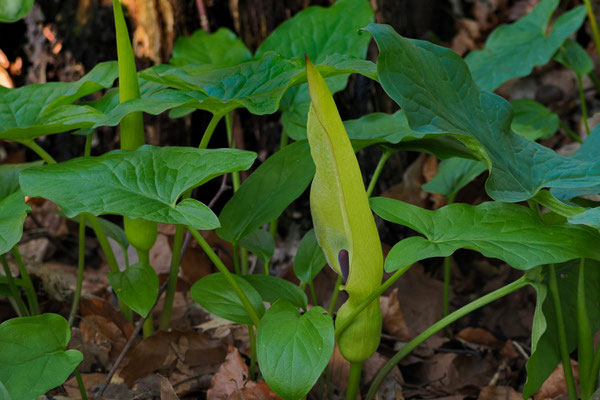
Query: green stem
[[32, 301], [80, 270], [569, 132], [165, 316], [438, 326], [373, 296], [585, 342], [236, 259], [20, 306], [593, 25], [87, 150], [447, 273], [335, 294], [382, 160], [313, 293], [584, 113], [80, 384], [244, 261], [252, 351], [235, 176], [562, 335], [148, 327], [273, 225], [228, 276], [214, 121], [354, 380], [113, 266], [267, 272], [595, 368], [39, 151]]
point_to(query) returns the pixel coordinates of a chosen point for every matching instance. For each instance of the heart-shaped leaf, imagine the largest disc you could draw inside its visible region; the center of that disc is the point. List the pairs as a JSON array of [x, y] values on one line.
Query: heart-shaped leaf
[[222, 48], [136, 286], [511, 51], [13, 211], [267, 192], [257, 85], [293, 349], [325, 31], [510, 232], [261, 243], [214, 293], [151, 178], [545, 354], [33, 355], [272, 289], [42, 109], [433, 86], [454, 174], [309, 260]]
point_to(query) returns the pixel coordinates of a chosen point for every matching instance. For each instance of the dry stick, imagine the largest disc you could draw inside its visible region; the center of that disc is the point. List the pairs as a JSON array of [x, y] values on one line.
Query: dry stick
[[136, 331]]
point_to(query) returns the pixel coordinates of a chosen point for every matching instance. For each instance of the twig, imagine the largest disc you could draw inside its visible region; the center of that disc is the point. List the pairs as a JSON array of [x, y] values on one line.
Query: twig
[[520, 350], [202, 14], [136, 331]]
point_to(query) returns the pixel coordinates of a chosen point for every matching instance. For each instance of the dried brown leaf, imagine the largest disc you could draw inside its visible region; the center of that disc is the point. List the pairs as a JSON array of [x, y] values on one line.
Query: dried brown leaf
[[231, 377], [499, 393]]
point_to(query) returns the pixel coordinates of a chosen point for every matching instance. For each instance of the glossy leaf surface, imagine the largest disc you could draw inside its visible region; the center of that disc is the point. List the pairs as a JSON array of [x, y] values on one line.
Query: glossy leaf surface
[[511, 51], [214, 293], [267, 192], [9, 177], [13, 211], [545, 354], [272, 289], [433, 86], [310, 259], [136, 286], [510, 232], [221, 48], [33, 355], [152, 178], [318, 32], [41, 109], [293, 349]]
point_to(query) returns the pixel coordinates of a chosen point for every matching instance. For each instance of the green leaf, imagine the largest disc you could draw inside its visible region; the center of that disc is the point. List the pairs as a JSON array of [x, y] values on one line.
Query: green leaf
[[532, 120], [42, 109], [14, 10], [9, 177], [136, 286], [257, 85], [267, 192], [13, 211], [293, 349], [151, 178], [324, 31], [4, 395], [214, 293], [511, 51], [221, 48], [259, 242], [510, 232], [433, 86], [545, 354], [272, 289], [574, 57], [33, 355], [454, 174], [310, 259]]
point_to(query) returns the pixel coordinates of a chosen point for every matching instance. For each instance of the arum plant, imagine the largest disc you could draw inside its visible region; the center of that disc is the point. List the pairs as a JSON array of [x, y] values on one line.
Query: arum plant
[[344, 225]]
